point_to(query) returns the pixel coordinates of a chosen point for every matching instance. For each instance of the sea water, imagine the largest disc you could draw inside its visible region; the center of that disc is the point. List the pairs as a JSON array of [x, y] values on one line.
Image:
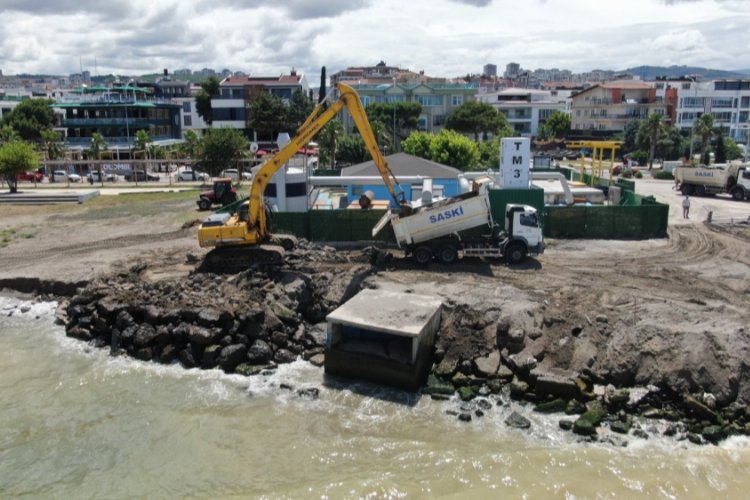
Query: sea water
[[78, 423]]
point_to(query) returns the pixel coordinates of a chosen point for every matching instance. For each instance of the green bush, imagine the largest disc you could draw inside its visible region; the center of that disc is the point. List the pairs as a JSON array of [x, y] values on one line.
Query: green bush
[[666, 176], [639, 175], [626, 173]]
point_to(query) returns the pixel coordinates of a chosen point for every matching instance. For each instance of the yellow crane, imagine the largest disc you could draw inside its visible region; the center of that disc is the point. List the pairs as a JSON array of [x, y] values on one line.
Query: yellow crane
[[597, 156], [242, 238]]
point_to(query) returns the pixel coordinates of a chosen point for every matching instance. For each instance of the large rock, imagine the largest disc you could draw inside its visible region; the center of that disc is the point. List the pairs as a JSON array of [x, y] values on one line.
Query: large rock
[[556, 383], [204, 336], [487, 366], [517, 421], [259, 353], [231, 356]]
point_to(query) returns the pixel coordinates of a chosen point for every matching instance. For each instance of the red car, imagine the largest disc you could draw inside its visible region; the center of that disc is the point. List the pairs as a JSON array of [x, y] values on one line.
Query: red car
[[31, 176]]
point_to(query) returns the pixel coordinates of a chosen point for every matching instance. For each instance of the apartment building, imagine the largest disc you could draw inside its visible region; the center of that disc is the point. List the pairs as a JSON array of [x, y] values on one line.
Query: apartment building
[[438, 99], [727, 100], [609, 106], [236, 94], [526, 109]]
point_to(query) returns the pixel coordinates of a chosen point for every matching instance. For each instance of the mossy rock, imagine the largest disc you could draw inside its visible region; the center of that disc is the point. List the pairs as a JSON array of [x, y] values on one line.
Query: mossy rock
[[584, 427], [713, 433], [575, 407], [248, 369], [555, 406], [437, 386], [620, 426], [467, 393], [565, 424], [495, 385]]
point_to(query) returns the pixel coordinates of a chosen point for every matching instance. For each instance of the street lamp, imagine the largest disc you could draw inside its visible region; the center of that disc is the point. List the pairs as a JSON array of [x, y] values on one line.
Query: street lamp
[[692, 127]]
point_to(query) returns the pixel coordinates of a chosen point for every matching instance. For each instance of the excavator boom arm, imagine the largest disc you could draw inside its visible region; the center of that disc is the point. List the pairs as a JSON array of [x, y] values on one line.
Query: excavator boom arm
[[320, 116]]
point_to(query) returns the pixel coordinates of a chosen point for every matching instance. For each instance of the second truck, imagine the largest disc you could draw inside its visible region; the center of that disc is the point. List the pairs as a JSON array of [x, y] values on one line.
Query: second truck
[[733, 179]]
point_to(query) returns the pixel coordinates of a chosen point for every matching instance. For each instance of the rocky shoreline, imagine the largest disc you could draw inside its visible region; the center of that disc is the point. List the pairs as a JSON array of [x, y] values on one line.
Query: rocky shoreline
[[249, 323]]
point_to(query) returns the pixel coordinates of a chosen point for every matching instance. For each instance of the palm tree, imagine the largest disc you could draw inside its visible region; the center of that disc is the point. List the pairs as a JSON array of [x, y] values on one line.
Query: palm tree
[[704, 129], [51, 144], [141, 141], [191, 145], [654, 129], [98, 146]]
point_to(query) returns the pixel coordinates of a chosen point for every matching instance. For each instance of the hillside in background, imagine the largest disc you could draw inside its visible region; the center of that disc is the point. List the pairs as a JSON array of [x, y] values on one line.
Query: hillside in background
[[652, 72]]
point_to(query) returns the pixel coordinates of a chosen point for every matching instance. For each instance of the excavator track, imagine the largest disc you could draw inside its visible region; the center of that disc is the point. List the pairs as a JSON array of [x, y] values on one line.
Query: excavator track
[[232, 260]]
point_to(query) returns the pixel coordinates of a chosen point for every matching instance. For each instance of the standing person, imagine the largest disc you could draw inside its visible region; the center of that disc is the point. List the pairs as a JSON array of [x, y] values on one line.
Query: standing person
[[686, 207]]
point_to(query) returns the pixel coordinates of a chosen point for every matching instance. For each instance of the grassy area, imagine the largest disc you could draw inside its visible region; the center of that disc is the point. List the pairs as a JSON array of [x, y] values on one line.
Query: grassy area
[[9, 234], [173, 205]]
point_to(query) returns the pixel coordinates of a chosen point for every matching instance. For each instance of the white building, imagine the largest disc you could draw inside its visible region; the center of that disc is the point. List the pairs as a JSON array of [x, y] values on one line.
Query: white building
[[526, 109], [727, 100]]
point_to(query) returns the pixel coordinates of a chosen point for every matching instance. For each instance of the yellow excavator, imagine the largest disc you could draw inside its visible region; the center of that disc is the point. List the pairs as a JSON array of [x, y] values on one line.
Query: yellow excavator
[[243, 238]]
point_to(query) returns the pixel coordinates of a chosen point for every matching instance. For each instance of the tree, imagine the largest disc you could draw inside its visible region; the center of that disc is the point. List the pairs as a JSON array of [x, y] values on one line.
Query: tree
[[351, 150], [210, 87], [299, 108], [489, 154], [7, 134], [141, 142], [327, 138], [98, 145], [630, 136], [734, 152], [322, 90], [671, 145], [191, 145], [649, 132], [15, 157], [721, 150], [456, 150], [418, 144], [268, 115], [557, 125], [404, 114], [476, 117], [51, 144], [30, 118], [222, 148], [704, 129]]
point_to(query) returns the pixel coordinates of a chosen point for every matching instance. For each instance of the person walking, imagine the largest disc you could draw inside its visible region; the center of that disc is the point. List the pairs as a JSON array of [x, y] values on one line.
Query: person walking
[[686, 207]]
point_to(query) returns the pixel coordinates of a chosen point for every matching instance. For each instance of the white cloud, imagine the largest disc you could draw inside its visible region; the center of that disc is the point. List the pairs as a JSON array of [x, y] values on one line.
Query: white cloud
[[441, 37]]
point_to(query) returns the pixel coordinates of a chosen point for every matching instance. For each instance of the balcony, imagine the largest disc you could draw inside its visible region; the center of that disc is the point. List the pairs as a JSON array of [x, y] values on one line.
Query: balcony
[[111, 122]]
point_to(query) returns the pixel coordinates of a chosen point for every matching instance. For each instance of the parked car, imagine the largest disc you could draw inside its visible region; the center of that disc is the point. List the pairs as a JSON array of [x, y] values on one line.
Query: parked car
[[192, 175], [232, 173], [30, 176], [108, 176], [63, 176], [140, 175]]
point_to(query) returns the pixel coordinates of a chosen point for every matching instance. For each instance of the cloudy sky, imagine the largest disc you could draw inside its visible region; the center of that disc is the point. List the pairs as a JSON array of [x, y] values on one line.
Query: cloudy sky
[[442, 37]]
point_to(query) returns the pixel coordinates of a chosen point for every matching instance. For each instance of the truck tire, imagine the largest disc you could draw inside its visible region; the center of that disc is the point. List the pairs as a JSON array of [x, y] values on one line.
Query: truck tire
[[515, 253], [204, 204], [738, 193], [700, 190], [448, 254], [686, 189], [422, 255]]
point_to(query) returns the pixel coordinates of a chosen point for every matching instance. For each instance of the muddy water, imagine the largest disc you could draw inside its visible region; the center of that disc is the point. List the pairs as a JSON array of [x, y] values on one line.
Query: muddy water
[[75, 423]]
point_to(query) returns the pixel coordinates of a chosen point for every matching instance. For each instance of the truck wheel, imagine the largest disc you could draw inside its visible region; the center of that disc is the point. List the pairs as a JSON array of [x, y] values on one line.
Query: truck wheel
[[448, 254], [204, 204], [515, 253], [686, 189], [738, 193], [422, 255], [700, 191]]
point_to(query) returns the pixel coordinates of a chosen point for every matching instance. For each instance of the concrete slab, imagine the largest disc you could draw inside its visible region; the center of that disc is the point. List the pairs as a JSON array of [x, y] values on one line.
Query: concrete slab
[[396, 313]]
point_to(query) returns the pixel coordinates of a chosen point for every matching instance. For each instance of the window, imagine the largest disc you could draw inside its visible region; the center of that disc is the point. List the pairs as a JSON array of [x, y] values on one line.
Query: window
[[744, 116], [457, 100], [438, 120], [528, 220], [724, 116], [692, 102], [721, 102], [188, 121], [430, 100], [745, 102], [686, 86], [366, 100], [660, 85], [186, 106]]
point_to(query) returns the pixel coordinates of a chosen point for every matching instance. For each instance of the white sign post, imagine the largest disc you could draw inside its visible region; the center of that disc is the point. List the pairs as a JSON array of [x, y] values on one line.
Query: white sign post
[[515, 156]]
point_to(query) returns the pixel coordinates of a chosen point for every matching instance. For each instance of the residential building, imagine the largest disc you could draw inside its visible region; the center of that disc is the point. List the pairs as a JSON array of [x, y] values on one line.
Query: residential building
[[118, 113], [489, 70], [525, 109], [438, 100], [237, 93], [609, 106], [381, 72], [727, 100], [512, 70]]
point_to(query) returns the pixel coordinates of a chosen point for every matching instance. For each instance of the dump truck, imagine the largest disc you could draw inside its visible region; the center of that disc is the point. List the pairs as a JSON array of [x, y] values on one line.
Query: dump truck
[[439, 230], [733, 179]]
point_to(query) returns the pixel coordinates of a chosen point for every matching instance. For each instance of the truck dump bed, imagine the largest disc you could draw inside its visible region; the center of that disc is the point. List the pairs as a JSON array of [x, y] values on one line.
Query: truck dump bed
[[702, 175], [439, 219]]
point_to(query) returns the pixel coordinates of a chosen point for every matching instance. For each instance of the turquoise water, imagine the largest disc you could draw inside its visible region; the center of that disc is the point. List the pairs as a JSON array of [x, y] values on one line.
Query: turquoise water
[[77, 423]]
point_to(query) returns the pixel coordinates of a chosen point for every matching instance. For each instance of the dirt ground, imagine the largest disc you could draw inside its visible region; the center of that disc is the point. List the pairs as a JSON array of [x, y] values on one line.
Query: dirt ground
[[695, 281]]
